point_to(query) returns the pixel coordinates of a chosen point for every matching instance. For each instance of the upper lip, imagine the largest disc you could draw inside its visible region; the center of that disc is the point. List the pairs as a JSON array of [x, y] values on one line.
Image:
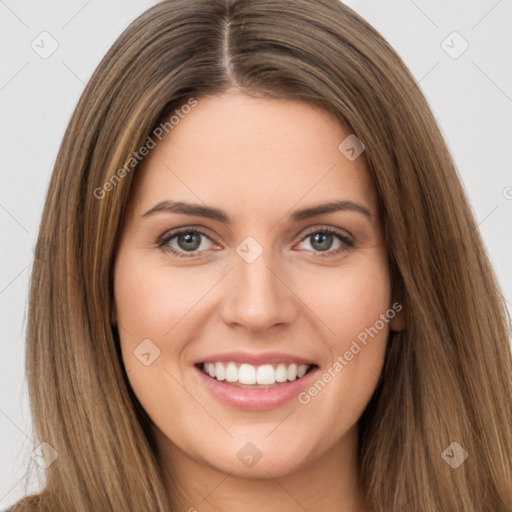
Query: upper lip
[[255, 359]]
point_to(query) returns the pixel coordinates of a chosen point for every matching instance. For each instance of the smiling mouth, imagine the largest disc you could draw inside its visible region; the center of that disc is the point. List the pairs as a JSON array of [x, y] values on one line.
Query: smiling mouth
[[246, 375]]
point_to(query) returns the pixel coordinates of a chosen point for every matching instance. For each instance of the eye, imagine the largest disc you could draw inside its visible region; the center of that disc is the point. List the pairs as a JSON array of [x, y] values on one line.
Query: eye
[[322, 239], [182, 241], [188, 242]]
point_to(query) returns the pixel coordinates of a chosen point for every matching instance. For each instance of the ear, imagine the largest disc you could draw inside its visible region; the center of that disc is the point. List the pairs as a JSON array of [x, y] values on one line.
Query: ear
[[398, 322]]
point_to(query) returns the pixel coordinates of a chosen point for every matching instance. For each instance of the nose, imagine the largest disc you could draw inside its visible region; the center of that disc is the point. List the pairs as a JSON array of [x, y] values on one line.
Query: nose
[[258, 296]]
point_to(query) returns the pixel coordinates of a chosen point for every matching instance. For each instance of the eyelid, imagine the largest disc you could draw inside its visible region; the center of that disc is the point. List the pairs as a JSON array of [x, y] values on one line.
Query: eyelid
[[325, 228]]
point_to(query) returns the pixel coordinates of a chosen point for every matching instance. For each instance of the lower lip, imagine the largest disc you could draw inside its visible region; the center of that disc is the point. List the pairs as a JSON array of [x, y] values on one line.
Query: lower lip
[[256, 399]]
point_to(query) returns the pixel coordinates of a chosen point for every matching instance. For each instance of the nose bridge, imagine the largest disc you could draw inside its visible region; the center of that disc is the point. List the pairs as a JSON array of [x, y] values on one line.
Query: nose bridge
[[257, 296]]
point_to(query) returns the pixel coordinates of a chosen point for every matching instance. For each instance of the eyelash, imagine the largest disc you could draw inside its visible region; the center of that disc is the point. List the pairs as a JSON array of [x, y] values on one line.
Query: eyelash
[[164, 239]]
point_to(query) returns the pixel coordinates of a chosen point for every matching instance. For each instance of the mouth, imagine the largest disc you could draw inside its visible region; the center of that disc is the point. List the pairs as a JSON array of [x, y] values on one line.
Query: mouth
[[255, 387], [249, 376]]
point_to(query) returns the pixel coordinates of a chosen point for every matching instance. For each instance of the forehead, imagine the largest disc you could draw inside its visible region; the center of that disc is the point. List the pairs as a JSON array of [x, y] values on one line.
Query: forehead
[[253, 154]]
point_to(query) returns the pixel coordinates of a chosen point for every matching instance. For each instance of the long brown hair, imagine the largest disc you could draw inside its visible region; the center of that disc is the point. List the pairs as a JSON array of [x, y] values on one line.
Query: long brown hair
[[447, 375]]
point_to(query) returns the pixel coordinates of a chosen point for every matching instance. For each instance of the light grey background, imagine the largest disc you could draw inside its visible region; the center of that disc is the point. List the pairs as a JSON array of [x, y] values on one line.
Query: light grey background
[[471, 97]]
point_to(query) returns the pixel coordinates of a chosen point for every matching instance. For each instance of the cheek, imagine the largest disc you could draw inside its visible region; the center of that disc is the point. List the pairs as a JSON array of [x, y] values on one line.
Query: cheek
[[350, 299], [352, 305], [151, 299], [364, 297]]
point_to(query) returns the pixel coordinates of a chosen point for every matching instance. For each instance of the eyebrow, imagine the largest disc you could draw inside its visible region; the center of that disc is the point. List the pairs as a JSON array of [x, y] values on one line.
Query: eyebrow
[[221, 216]]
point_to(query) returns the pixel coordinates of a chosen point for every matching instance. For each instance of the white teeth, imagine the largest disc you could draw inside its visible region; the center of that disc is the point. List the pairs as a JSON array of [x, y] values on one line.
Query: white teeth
[[220, 373], [265, 374], [231, 372], [292, 372], [246, 373], [281, 373], [301, 370]]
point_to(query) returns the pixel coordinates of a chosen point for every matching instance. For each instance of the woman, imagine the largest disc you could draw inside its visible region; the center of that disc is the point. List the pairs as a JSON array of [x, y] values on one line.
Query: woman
[[270, 290]]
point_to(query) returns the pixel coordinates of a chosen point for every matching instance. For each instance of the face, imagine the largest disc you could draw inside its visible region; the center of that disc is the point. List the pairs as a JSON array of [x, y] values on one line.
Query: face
[[253, 325]]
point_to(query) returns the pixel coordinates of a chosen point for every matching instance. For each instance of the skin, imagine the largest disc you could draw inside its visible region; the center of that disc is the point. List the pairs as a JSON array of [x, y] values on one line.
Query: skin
[[258, 160]]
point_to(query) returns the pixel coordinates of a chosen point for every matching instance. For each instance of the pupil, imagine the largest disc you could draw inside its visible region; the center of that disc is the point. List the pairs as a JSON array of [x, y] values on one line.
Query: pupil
[[323, 237], [185, 239]]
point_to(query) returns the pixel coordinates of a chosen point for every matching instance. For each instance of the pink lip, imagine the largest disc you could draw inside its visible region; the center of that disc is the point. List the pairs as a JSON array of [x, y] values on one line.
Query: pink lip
[[254, 359], [256, 399]]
